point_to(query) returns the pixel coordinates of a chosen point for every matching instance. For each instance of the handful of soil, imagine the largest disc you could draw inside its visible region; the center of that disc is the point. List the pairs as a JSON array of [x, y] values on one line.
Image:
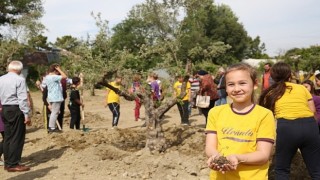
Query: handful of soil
[[220, 161]]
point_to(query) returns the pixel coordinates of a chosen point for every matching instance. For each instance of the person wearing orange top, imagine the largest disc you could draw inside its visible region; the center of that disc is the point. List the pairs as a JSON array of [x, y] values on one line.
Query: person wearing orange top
[[267, 81]]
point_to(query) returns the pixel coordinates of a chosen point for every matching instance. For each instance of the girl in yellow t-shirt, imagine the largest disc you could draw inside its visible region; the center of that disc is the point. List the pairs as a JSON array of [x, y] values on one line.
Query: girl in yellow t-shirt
[[113, 101], [297, 128], [243, 132]]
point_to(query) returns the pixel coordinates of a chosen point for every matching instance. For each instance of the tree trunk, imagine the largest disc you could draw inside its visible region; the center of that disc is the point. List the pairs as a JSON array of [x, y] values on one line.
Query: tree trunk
[[92, 92], [154, 115], [155, 137]]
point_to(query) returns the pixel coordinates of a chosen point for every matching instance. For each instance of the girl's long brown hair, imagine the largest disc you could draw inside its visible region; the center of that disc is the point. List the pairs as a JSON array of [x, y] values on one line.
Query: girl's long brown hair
[[280, 73]]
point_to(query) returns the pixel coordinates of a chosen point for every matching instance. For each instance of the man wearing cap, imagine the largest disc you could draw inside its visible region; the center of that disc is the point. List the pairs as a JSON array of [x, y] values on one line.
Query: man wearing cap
[[15, 110]]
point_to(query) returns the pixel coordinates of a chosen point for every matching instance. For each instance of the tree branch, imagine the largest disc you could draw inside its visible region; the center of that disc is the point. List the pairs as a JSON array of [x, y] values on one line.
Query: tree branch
[[166, 107], [127, 96]]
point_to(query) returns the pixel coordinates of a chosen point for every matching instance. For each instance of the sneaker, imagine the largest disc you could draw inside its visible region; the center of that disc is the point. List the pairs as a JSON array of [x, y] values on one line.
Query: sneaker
[[114, 127]]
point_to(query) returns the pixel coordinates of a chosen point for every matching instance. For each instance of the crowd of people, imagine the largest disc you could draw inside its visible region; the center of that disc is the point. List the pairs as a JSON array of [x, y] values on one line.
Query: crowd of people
[[54, 85], [245, 132], [200, 83], [16, 106], [242, 130]]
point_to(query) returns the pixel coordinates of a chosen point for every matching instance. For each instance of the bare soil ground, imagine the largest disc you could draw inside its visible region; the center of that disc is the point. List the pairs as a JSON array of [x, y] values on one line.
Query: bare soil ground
[[105, 153]]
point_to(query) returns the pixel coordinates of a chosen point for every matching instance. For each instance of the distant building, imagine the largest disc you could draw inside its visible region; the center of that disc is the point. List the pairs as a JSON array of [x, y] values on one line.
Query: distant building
[[255, 62], [39, 58]]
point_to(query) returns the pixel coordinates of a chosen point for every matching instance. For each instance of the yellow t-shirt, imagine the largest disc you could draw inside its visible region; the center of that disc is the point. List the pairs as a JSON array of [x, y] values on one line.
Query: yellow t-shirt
[[112, 96], [177, 88], [312, 77], [294, 103], [238, 133]]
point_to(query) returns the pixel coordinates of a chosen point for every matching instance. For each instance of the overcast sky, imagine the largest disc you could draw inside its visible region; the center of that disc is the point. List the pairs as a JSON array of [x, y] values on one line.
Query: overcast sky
[[281, 24]]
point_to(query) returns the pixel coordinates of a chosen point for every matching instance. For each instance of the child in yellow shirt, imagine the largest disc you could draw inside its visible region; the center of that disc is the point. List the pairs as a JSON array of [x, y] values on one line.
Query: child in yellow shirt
[[113, 101], [183, 106], [243, 131]]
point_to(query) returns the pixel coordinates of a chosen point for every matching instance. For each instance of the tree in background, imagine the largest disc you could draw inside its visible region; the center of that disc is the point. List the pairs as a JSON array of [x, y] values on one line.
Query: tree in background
[[223, 26], [67, 42], [174, 33], [38, 42], [7, 50], [160, 39], [12, 11], [256, 49], [310, 58], [149, 34], [306, 59], [20, 23], [206, 23], [130, 34], [90, 56]]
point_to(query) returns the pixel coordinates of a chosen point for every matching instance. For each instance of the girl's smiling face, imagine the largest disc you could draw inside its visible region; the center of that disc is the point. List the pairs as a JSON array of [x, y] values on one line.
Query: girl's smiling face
[[240, 86]]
